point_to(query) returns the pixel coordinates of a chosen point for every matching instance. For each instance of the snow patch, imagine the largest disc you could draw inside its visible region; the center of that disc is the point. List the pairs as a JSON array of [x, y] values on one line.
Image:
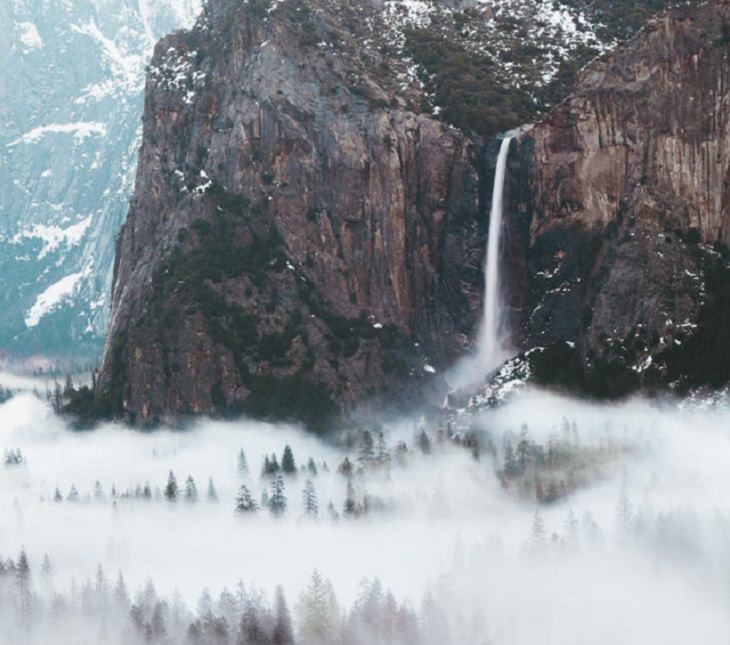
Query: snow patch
[[29, 36], [52, 298], [54, 236], [81, 130]]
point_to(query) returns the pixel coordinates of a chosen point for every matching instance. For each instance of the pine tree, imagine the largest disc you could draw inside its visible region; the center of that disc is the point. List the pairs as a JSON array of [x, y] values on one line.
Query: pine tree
[[73, 494], [57, 400], [57, 496], [245, 503], [318, 612], [22, 584], [309, 496], [524, 448], [277, 499], [571, 530], [332, 512], [367, 448], [288, 465], [538, 539], [270, 466], [242, 463], [171, 488], [191, 490], [350, 506], [157, 622], [68, 388], [46, 567], [121, 595], [424, 443], [251, 630], [312, 467], [212, 493], [98, 491], [345, 468], [283, 633], [382, 454], [510, 464]]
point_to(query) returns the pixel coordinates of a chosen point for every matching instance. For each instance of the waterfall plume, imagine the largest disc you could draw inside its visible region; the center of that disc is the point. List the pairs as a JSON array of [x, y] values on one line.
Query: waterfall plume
[[491, 349]]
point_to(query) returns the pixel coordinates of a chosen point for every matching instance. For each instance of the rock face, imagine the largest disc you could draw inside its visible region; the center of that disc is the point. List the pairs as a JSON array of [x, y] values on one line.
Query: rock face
[[300, 238], [619, 241]]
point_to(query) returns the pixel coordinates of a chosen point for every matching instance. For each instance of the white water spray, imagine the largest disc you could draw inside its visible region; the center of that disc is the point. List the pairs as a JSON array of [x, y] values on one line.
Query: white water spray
[[491, 341]]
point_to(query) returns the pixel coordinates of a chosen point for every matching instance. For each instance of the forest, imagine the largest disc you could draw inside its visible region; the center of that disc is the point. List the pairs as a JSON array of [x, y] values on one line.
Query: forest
[[399, 532]]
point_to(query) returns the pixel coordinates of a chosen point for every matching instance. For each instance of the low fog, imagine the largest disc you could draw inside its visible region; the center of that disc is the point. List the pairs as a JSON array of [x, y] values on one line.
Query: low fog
[[551, 521]]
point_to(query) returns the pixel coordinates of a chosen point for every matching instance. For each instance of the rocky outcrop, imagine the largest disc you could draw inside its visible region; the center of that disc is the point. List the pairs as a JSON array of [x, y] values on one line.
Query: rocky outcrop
[[626, 221], [301, 238]]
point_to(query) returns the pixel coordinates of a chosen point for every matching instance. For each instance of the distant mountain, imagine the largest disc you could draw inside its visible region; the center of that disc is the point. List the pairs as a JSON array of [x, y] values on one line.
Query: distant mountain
[[71, 95]]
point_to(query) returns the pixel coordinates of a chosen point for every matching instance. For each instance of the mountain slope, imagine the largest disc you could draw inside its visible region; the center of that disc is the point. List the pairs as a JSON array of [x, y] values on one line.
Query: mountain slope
[[71, 93]]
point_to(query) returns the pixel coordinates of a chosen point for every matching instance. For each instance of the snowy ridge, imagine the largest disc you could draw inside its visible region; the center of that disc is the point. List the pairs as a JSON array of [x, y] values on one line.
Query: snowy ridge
[[72, 96]]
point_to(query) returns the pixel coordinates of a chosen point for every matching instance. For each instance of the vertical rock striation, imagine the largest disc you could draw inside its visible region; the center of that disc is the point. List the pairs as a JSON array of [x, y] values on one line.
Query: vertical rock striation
[[300, 238], [626, 221]]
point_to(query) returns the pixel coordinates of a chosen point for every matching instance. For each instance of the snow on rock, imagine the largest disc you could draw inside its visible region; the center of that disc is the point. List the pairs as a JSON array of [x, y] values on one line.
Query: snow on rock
[[29, 36], [81, 130], [51, 298], [55, 236]]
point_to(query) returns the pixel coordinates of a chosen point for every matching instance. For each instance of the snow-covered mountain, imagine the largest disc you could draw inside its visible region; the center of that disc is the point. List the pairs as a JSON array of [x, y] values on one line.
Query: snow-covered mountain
[[71, 96]]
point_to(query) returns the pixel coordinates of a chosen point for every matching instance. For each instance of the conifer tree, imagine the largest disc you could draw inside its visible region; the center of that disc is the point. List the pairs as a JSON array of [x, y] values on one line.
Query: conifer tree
[[191, 490], [367, 448], [73, 494], [288, 465], [312, 467], [345, 468], [245, 503], [157, 622], [22, 583], [121, 595], [382, 454], [309, 495], [283, 633], [277, 499], [318, 612], [242, 463], [350, 506], [424, 442], [171, 488], [538, 538], [47, 567], [212, 493]]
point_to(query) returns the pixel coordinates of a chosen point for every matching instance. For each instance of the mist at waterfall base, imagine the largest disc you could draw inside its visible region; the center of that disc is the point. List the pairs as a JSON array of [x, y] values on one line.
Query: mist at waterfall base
[[639, 552]]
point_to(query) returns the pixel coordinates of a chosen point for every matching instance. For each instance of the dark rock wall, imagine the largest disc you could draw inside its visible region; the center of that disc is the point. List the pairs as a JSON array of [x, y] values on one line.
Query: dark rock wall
[[300, 238], [629, 202]]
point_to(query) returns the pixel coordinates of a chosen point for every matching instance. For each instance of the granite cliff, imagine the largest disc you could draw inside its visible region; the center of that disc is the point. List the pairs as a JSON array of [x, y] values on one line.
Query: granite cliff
[[308, 228], [301, 237], [621, 215]]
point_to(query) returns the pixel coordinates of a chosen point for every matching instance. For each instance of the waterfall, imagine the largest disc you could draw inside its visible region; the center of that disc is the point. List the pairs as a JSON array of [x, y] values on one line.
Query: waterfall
[[490, 342]]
